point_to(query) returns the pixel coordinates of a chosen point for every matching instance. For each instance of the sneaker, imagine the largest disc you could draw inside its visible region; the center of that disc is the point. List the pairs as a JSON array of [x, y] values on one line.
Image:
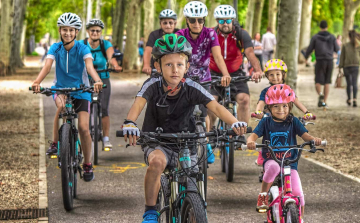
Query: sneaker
[[210, 154], [262, 203], [88, 172], [53, 150], [321, 100], [107, 144], [151, 216]]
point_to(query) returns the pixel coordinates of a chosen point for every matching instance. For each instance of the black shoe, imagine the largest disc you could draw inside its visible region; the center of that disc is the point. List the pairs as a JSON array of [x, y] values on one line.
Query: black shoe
[[52, 149], [88, 172], [321, 99], [348, 102], [354, 104]]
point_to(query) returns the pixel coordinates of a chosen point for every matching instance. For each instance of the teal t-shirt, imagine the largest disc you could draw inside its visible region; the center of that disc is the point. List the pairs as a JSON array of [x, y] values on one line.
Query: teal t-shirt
[[99, 59]]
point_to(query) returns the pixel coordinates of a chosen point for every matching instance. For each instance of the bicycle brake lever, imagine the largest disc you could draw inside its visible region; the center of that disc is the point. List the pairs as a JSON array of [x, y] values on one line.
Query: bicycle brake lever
[[309, 123], [322, 150]]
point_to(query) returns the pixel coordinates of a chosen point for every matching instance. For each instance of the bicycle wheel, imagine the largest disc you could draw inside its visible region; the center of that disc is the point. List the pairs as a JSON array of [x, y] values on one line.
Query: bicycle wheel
[[75, 186], [292, 215], [274, 210], [202, 157], [222, 153], [229, 159], [193, 209], [67, 171], [163, 200], [94, 124]]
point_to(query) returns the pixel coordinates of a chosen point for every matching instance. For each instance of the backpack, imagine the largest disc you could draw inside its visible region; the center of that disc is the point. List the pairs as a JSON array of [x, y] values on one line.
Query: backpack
[[102, 47]]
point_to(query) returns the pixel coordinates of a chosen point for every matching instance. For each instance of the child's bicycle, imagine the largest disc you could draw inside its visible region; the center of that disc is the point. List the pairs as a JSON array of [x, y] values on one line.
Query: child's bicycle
[[301, 119], [284, 207], [69, 149]]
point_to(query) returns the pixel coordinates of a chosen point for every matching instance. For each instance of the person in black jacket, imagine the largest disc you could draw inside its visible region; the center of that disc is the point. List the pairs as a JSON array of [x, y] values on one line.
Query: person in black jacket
[[324, 44]]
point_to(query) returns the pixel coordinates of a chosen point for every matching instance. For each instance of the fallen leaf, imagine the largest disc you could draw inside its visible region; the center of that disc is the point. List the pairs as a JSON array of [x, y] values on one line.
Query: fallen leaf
[[119, 145], [34, 154], [210, 177], [1, 183]]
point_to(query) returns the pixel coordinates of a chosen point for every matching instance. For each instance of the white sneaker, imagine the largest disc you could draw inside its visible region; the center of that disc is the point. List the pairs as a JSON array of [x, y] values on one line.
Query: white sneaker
[[107, 144]]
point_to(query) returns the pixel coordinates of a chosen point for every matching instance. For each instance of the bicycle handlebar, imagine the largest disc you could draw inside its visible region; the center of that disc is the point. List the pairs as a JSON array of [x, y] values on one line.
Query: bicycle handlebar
[[185, 135], [217, 80], [105, 70], [253, 115], [48, 90]]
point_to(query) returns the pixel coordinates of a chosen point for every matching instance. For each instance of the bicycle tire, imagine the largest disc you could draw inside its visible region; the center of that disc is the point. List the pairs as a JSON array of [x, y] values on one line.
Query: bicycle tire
[[202, 157], [75, 186], [67, 172], [229, 157], [222, 153], [292, 214], [94, 117], [193, 209], [163, 200]]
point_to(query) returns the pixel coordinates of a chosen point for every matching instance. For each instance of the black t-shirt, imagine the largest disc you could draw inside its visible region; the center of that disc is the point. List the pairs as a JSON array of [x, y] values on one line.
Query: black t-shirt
[[177, 117], [154, 35]]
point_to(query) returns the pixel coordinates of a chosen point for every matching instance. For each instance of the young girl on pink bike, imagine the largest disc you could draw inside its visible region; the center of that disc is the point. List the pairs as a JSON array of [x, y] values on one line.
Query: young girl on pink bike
[[280, 129]]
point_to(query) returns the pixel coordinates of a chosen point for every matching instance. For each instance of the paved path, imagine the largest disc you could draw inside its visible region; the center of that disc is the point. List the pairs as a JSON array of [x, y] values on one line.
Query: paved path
[[116, 194]]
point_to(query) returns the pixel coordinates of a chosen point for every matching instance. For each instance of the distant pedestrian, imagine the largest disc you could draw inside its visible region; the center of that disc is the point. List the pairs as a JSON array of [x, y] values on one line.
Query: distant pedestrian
[[268, 43], [141, 48], [45, 53], [258, 49], [338, 41], [324, 44], [349, 60]]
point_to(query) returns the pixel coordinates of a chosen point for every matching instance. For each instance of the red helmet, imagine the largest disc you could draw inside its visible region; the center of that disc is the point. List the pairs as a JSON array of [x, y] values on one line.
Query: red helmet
[[278, 94]]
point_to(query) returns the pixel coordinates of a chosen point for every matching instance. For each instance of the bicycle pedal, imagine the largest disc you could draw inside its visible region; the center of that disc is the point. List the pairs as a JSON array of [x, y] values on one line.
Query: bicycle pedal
[[53, 156]]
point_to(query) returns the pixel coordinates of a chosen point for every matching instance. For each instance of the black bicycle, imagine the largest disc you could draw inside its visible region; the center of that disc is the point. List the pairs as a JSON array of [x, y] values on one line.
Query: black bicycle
[[227, 148], [69, 147], [181, 197]]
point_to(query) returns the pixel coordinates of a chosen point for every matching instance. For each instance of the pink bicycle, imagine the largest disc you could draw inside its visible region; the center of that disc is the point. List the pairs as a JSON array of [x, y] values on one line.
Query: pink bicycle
[[284, 207]]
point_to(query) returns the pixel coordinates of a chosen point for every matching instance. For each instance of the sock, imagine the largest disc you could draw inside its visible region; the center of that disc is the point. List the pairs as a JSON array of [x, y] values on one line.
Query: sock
[[105, 138], [148, 208]]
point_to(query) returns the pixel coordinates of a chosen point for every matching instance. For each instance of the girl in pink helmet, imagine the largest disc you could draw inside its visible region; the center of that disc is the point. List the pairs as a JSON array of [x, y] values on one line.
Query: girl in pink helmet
[[280, 129], [275, 71]]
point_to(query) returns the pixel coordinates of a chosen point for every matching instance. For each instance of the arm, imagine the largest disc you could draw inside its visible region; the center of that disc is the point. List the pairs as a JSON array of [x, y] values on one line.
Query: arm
[[44, 71], [109, 54], [259, 109], [251, 141], [147, 58], [219, 60], [249, 52], [133, 114], [221, 112], [307, 137], [92, 72], [310, 48], [336, 46]]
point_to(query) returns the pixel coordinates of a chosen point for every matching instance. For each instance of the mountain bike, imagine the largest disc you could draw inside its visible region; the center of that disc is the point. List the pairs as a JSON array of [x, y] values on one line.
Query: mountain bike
[[181, 196], [284, 206], [301, 119], [69, 148], [227, 149]]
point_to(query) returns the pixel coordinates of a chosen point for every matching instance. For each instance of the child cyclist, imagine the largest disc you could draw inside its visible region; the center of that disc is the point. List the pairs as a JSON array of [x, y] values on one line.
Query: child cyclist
[[281, 129], [275, 71], [73, 59], [170, 100]]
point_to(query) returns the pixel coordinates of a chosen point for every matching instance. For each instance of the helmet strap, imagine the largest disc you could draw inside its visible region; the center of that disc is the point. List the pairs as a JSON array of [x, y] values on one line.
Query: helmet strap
[[65, 44], [289, 117]]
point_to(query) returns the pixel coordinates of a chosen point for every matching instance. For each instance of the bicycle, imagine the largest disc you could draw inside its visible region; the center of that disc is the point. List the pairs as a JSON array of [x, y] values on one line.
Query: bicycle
[[181, 196], [69, 148], [301, 119], [284, 206], [227, 149], [95, 122]]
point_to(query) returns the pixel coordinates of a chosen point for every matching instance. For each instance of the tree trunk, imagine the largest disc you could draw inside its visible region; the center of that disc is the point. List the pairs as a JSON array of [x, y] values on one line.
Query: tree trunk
[[211, 19], [288, 42], [83, 19], [131, 51], [272, 15], [250, 16], [5, 37], [351, 7], [122, 20], [149, 18], [116, 22], [98, 9], [19, 16], [259, 5], [89, 10], [305, 29], [171, 4]]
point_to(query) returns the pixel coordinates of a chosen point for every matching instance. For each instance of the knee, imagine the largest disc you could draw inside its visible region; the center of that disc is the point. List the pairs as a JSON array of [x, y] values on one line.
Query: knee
[[243, 100], [83, 129], [157, 164]]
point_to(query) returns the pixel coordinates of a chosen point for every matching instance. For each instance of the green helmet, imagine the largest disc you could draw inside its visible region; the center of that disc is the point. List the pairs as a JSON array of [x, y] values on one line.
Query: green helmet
[[169, 44]]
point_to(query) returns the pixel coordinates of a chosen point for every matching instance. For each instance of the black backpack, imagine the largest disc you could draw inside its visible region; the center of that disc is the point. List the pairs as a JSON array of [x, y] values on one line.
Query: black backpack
[[102, 47]]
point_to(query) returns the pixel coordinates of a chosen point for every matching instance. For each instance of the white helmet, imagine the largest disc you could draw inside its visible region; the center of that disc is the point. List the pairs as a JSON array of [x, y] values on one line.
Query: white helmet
[[224, 11], [167, 14], [69, 19], [195, 9]]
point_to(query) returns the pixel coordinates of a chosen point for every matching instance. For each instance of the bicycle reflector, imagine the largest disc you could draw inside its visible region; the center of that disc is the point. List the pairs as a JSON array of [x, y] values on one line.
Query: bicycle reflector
[[262, 210], [53, 157], [107, 149]]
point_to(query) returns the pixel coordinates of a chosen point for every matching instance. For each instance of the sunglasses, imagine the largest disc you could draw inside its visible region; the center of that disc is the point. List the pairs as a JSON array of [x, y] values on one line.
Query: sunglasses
[[193, 20], [95, 30], [222, 21], [170, 23]]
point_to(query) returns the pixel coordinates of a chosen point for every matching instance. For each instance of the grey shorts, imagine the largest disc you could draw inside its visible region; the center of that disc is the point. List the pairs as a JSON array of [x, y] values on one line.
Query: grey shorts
[[171, 157]]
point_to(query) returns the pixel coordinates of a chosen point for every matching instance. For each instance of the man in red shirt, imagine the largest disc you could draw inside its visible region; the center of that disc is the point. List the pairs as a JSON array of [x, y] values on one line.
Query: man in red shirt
[[234, 41]]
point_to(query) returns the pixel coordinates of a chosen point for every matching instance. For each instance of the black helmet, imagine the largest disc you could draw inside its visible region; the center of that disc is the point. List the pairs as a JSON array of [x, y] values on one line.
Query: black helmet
[[169, 44], [95, 22], [167, 14]]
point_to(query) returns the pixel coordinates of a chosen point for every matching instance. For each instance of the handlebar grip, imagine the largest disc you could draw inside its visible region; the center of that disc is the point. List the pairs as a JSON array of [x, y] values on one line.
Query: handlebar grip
[[244, 147], [41, 88], [249, 130], [119, 133], [324, 143], [314, 117], [231, 132], [253, 115]]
